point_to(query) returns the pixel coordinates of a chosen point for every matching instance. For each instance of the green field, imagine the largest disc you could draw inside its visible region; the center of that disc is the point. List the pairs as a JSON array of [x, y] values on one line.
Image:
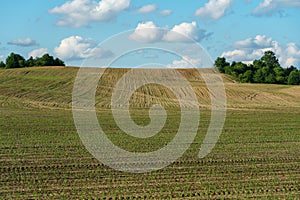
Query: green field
[[257, 155]]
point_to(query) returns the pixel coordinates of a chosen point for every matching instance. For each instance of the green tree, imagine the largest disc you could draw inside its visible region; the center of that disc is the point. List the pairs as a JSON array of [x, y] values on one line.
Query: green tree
[[280, 75], [30, 62], [58, 62], [239, 68], [258, 64], [2, 64], [228, 70], [258, 76], [267, 69], [264, 75], [270, 78], [289, 70], [247, 77], [14, 61], [47, 60], [294, 78], [269, 59], [269, 75], [22, 63], [220, 64], [17, 61]]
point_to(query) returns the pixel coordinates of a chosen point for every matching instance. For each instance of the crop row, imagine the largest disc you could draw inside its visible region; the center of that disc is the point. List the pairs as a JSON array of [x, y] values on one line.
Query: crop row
[[168, 192]]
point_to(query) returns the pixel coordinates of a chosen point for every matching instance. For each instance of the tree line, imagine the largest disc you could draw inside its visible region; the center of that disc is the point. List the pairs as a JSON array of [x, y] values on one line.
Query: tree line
[[17, 61], [265, 70]]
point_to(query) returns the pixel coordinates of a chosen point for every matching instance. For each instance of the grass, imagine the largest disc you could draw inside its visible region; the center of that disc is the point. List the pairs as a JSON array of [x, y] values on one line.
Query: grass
[[257, 155]]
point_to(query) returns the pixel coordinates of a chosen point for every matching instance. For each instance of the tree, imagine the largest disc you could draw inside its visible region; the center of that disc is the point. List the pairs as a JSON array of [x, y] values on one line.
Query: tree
[[228, 70], [258, 76], [47, 60], [247, 77], [267, 69], [289, 70], [280, 75], [14, 61], [294, 78], [22, 63], [17, 61], [221, 63], [258, 64], [2, 64], [239, 68], [269, 59], [58, 62], [270, 78], [30, 62]]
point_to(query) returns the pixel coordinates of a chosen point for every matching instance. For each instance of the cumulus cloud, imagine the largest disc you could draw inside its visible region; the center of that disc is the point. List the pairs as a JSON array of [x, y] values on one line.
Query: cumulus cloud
[[147, 8], [214, 9], [253, 48], [2, 57], [38, 52], [23, 42], [260, 41], [148, 32], [269, 7], [292, 52], [76, 47], [185, 62], [165, 12], [77, 13], [189, 30]]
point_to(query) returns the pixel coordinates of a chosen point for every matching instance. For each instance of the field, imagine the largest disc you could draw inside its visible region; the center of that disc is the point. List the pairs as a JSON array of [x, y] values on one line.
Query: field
[[42, 156]]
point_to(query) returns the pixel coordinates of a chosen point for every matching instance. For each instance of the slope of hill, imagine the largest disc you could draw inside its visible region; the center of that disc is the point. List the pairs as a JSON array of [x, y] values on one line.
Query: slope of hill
[[42, 156], [52, 87]]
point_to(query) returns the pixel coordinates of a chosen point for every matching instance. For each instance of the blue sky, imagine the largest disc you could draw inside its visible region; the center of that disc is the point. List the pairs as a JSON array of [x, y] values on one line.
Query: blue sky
[[239, 30]]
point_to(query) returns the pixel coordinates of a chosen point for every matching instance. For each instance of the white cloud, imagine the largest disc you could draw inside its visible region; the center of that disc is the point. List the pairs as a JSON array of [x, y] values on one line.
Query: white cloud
[[189, 30], [2, 57], [254, 48], [38, 52], [214, 9], [23, 42], [165, 12], [77, 13], [260, 41], [148, 32], [76, 47], [293, 55], [185, 62], [269, 7], [147, 8]]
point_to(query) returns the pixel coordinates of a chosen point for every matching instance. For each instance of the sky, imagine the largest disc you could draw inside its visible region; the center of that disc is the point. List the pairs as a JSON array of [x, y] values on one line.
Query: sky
[[79, 30]]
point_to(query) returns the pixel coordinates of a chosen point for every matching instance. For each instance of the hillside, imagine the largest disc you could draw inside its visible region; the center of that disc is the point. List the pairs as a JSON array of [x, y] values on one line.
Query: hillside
[[52, 87], [42, 155]]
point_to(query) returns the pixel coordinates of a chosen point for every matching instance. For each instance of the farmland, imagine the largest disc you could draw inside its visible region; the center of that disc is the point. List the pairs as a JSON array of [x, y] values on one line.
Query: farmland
[[42, 156]]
